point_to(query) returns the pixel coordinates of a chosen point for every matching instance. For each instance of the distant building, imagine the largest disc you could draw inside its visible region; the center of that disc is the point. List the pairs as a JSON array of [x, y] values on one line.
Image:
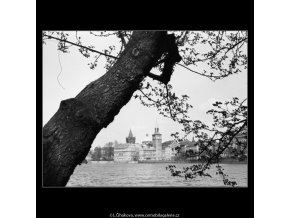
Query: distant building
[[238, 143], [187, 145], [127, 152], [157, 142], [151, 149], [147, 153], [170, 150], [240, 137], [130, 139], [154, 150]]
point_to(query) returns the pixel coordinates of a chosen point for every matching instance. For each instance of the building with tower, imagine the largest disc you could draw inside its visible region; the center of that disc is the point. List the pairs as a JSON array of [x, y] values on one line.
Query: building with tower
[[151, 149], [128, 152], [130, 139], [157, 142]]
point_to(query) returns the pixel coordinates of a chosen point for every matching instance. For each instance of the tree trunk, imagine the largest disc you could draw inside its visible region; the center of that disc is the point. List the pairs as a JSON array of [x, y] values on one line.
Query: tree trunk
[[68, 135]]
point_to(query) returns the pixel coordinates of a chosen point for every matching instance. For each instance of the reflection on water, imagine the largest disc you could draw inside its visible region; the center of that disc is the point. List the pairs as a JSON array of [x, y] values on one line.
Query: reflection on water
[[149, 175]]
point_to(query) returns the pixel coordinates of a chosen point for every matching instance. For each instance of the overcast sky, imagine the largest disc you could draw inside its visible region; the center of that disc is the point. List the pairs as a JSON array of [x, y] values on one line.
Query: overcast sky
[[74, 74]]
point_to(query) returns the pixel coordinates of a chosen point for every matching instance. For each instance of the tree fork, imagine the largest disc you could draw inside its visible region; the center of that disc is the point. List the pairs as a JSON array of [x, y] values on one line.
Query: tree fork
[[68, 135], [172, 56]]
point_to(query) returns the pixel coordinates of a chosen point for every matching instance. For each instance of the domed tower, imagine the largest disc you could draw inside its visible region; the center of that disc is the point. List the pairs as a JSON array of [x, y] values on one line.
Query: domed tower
[[157, 142], [130, 139]]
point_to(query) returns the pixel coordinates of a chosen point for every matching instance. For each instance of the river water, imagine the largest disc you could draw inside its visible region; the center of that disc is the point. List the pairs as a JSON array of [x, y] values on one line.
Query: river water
[[149, 175]]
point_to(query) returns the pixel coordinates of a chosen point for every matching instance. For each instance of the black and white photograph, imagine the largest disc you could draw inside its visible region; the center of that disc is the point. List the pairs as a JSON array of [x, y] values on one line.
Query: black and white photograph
[[145, 108], [139, 109]]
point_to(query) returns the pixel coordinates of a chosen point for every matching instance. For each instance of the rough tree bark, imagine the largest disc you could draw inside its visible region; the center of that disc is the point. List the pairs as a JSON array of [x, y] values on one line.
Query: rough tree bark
[[68, 135]]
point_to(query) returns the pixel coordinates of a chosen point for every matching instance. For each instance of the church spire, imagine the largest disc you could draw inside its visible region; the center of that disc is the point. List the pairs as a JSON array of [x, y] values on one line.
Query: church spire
[[130, 133], [130, 139]]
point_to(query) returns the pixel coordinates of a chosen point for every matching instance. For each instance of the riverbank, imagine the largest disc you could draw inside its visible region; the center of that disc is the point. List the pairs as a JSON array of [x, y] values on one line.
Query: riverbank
[[223, 161], [102, 161]]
